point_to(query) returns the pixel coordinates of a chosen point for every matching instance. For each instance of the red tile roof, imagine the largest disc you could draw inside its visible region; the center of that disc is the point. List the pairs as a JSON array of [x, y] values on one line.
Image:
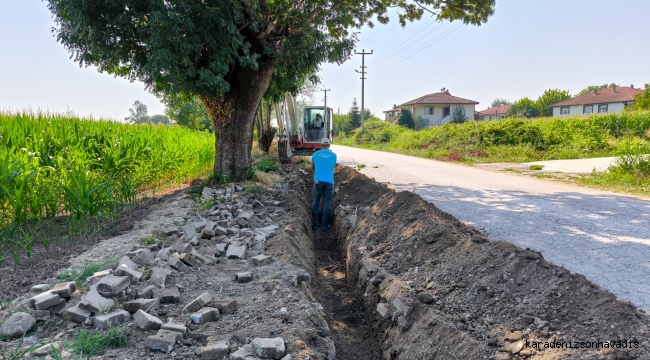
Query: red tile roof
[[500, 109], [604, 96], [443, 97]]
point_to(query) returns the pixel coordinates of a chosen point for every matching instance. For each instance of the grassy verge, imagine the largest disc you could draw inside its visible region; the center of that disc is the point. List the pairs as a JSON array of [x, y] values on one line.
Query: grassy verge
[[630, 174], [524, 140]]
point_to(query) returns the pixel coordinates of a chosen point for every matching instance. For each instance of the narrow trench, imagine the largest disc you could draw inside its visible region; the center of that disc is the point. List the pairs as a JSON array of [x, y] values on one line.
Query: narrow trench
[[351, 330]]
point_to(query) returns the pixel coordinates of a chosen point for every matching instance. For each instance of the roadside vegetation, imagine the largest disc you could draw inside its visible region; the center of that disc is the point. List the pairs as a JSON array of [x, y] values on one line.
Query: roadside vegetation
[[57, 168], [523, 140]]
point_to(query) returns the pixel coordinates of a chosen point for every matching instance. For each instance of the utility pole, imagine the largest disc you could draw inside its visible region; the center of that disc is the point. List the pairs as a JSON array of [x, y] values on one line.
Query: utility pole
[[326, 90], [363, 54]]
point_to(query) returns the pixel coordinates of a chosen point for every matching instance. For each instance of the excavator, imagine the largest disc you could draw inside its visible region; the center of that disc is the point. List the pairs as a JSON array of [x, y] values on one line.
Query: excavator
[[301, 135]]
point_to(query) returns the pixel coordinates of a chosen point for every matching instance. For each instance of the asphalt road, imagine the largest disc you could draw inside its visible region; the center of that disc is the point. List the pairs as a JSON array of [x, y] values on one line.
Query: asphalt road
[[602, 235]]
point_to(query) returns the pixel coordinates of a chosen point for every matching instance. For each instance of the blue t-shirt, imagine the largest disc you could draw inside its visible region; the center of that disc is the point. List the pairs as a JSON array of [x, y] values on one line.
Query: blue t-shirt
[[324, 161]]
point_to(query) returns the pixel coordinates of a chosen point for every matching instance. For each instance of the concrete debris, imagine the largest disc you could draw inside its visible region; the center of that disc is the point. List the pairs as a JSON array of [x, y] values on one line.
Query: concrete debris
[[126, 261], [144, 258], [98, 276], [40, 315], [190, 260], [147, 293], [225, 306], [133, 275], [112, 285], [170, 296], [18, 324], [271, 348], [175, 327], [94, 302], [246, 352], [178, 264], [214, 350], [164, 340], [244, 277], [205, 315], [159, 276], [40, 288], [141, 304], [236, 252], [261, 260], [197, 303], [146, 321], [44, 301], [77, 314], [116, 317]]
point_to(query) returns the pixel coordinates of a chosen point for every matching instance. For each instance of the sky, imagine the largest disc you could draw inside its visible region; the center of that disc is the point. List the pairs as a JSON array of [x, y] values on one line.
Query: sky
[[526, 47]]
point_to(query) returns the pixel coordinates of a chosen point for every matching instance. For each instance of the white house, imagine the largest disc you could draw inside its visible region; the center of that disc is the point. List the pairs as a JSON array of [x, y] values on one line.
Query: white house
[[608, 100], [439, 107], [494, 113]]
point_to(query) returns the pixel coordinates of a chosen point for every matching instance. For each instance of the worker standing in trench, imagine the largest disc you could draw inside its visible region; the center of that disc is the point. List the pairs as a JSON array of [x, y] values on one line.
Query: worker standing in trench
[[324, 161]]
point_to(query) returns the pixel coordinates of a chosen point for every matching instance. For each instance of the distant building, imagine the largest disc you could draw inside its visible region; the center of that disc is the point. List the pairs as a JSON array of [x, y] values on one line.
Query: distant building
[[610, 100], [393, 113], [494, 113], [438, 107]]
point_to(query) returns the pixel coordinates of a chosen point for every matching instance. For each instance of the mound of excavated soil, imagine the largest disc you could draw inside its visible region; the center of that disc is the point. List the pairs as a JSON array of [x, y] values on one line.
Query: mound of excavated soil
[[438, 289]]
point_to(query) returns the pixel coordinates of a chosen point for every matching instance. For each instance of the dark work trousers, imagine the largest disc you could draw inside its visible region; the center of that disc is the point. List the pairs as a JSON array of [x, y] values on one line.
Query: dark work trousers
[[322, 190]]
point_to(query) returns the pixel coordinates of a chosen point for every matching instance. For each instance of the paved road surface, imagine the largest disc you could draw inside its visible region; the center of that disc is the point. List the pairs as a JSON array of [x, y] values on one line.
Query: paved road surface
[[602, 235], [583, 166]]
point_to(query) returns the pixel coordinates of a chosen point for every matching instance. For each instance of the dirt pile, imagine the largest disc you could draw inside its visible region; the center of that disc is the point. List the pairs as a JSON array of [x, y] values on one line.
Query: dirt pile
[[439, 289]]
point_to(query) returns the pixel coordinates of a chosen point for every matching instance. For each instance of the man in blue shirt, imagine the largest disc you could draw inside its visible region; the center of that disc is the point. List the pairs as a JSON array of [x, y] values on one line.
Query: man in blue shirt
[[324, 162]]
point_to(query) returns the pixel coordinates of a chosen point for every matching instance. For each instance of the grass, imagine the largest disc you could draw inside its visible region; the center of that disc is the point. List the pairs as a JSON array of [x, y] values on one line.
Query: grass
[[536, 167], [87, 343], [525, 140], [80, 276], [629, 174], [54, 166]]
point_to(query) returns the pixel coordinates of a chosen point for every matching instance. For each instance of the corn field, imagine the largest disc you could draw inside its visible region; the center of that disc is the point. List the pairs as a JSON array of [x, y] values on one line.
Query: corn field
[[53, 165]]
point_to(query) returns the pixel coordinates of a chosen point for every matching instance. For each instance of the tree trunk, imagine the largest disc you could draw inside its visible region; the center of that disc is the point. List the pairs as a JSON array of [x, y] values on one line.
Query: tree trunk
[[233, 116], [265, 133]]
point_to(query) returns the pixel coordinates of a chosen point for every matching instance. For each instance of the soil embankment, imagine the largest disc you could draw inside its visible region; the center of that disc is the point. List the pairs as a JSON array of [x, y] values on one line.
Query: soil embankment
[[436, 288]]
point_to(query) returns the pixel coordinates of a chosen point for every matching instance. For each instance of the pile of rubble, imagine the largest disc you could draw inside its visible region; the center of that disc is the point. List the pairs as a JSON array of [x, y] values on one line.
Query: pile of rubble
[[172, 292]]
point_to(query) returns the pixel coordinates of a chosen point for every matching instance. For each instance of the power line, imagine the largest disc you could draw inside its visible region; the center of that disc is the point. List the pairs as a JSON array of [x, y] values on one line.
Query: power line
[[422, 49], [407, 44]]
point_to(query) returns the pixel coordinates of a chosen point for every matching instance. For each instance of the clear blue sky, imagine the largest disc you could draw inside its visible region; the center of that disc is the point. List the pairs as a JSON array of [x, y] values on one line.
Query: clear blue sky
[[526, 47]]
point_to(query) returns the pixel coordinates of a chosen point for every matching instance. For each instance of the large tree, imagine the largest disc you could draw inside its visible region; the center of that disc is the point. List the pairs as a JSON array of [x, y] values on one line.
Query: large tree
[[550, 97], [228, 52]]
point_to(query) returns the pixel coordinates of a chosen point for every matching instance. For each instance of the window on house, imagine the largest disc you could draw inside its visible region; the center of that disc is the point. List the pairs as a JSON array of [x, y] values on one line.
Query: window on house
[[587, 109], [602, 108], [565, 110], [428, 111]]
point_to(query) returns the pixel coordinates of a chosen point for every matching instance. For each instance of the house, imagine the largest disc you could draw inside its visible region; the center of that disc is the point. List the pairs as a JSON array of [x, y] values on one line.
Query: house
[[393, 113], [608, 100], [439, 107], [494, 113]]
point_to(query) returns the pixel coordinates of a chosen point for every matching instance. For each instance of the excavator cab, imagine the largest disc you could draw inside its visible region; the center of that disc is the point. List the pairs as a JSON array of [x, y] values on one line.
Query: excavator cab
[[315, 121]]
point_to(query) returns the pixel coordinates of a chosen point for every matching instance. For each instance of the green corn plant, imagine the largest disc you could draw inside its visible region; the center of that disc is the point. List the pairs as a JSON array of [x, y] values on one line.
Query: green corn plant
[[83, 196]]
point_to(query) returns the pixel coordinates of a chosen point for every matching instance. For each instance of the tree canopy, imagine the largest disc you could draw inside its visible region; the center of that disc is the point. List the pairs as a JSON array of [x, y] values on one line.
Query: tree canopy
[[500, 101], [228, 53], [642, 100], [523, 108], [591, 88], [550, 97]]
